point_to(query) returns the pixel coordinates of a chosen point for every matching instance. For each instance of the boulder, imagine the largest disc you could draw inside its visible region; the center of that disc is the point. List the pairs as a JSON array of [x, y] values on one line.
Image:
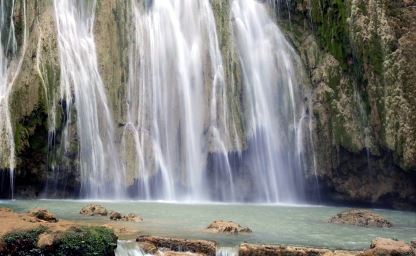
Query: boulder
[[45, 240], [43, 214], [132, 217], [115, 216], [413, 244], [388, 247], [220, 226], [358, 217], [94, 210], [204, 247]]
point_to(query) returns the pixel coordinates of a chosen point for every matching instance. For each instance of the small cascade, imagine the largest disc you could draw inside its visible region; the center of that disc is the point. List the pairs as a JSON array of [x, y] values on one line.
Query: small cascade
[[84, 100], [227, 251], [129, 248], [273, 104]]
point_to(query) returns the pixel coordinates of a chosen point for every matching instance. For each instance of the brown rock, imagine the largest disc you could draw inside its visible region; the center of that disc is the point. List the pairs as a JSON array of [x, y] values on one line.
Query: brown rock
[[115, 216], [387, 247], [204, 247], [94, 210], [132, 217], [413, 244], [43, 214], [45, 240], [220, 226], [362, 218], [266, 250]]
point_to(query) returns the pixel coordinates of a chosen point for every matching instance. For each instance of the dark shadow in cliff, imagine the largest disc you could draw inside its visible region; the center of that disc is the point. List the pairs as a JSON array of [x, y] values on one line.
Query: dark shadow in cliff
[[361, 179]]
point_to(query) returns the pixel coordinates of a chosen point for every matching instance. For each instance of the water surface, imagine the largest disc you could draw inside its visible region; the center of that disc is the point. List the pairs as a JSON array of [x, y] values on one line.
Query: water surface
[[271, 224]]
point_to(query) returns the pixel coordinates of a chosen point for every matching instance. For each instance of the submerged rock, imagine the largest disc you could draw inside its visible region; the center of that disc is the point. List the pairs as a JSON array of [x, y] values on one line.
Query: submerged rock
[[358, 217], [220, 226], [94, 210], [204, 247], [386, 247], [43, 214], [130, 217]]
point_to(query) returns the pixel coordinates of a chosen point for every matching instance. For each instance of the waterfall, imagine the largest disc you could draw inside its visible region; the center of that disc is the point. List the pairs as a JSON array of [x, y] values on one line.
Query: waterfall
[[178, 117], [9, 69], [84, 100], [273, 103], [176, 91]]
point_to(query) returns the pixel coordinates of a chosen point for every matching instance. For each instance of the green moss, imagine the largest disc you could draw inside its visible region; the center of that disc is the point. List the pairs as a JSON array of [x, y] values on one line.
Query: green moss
[[25, 127], [330, 20], [76, 241], [86, 241], [23, 242]]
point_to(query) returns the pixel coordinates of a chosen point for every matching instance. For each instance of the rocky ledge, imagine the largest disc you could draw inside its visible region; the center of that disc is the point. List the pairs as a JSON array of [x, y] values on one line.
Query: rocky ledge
[[379, 247], [359, 217], [151, 244], [220, 226], [266, 250], [385, 247]]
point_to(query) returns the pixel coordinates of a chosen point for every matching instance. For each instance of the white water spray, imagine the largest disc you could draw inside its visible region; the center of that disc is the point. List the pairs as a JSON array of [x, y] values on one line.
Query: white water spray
[[176, 91], [272, 103]]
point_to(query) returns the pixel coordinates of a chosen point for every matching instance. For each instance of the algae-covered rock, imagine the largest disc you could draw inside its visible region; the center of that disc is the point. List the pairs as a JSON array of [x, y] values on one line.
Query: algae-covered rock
[[361, 217], [386, 247], [73, 241], [43, 214], [85, 241], [220, 226], [204, 247], [94, 210]]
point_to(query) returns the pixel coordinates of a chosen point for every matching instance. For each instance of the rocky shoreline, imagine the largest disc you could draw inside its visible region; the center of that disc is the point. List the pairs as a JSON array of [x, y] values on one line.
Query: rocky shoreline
[[39, 232]]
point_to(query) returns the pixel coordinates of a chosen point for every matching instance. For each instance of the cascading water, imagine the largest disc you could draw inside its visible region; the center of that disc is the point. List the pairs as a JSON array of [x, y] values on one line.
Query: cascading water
[[83, 97], [9, 69], [176, 89], [7, 47], [273, 103], [178, 109]]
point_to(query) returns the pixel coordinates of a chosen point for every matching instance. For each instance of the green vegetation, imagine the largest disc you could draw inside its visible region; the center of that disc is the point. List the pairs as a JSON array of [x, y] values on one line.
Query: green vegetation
[[86, 241], [23, 242]]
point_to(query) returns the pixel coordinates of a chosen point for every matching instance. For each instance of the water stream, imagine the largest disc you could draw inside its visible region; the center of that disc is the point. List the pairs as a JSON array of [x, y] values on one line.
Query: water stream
[[84, 99]]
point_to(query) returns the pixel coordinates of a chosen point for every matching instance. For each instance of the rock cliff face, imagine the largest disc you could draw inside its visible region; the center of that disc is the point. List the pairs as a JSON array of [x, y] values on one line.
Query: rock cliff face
[[359, 56]]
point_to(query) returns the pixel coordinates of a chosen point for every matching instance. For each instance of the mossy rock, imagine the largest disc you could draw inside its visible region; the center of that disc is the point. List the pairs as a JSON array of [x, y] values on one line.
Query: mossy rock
[[86, 241], [22, 242]]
